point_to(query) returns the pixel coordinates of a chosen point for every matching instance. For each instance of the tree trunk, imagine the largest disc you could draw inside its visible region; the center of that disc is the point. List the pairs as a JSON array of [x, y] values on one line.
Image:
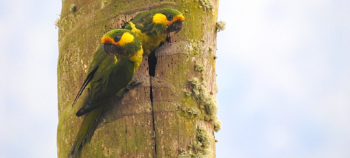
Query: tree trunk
[[173, 112]]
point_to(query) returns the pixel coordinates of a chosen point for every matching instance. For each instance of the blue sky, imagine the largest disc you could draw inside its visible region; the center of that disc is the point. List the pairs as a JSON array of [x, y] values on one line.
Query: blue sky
[[28, 64], [283, 75]]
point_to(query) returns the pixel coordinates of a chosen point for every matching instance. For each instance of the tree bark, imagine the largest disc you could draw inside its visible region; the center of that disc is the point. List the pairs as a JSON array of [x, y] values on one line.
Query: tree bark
[[173, 113]]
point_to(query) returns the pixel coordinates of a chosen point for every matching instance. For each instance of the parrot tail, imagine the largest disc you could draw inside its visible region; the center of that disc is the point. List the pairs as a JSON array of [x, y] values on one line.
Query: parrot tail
[[86, 131]]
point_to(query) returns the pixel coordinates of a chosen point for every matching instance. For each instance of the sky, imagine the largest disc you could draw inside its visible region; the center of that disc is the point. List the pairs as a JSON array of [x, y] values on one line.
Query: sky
[[283, 76]]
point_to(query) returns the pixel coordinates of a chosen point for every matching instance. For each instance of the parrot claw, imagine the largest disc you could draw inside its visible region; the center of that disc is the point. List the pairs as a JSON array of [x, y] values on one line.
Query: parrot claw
[[132, 85]]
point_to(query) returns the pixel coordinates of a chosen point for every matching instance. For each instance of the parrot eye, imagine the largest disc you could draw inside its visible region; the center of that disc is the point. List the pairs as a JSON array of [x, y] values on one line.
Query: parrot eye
[[169, 17], [117, 38]]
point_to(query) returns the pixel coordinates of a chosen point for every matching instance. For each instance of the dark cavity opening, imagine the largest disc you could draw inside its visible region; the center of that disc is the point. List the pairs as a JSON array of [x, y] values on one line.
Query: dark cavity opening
[[152, 62]]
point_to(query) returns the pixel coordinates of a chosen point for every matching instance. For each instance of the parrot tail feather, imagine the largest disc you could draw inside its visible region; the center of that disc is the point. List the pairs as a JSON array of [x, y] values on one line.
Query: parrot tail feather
[[86, 131]]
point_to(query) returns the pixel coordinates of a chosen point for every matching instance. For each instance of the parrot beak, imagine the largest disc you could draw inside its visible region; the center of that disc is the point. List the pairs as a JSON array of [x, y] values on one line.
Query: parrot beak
[[111, 49], [176, 26]]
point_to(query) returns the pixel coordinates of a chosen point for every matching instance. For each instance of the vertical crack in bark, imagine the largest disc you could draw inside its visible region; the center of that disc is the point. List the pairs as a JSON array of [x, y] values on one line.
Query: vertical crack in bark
[[152, 62]]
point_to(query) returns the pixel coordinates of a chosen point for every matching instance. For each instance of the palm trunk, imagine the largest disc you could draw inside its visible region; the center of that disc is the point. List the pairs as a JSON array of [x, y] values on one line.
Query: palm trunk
[[173, 112]]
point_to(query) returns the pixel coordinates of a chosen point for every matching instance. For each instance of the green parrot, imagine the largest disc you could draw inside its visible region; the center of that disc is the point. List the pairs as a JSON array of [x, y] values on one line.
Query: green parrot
[[152, 27], [108, 75]]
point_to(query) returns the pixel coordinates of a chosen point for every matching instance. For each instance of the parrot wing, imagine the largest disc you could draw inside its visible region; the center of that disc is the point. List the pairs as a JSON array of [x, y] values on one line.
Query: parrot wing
[[108, 82], [98, 58], [140, 19]]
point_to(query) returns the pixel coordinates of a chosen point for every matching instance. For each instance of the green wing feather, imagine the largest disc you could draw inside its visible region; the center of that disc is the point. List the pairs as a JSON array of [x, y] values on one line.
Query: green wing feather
[[107, 82], [98, 58]]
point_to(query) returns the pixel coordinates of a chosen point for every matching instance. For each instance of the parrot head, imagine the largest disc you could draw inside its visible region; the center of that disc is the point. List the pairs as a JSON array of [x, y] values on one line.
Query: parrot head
[[121, 43], [167, 19], [159, 21]]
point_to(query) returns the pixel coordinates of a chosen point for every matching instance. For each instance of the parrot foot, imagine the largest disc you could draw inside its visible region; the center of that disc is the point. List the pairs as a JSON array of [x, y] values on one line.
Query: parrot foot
[[132, 85]]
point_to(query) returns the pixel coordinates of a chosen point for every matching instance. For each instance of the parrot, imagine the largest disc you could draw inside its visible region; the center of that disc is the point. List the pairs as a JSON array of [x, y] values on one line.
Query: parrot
[[151, 27], [108, 75]]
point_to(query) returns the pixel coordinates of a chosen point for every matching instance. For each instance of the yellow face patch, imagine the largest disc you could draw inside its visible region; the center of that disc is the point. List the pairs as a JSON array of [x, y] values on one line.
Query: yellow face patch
[[160, 19], [126, 38]]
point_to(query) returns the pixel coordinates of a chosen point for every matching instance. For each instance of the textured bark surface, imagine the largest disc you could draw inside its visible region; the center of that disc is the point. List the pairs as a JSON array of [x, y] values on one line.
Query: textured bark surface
[[136, 125]]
